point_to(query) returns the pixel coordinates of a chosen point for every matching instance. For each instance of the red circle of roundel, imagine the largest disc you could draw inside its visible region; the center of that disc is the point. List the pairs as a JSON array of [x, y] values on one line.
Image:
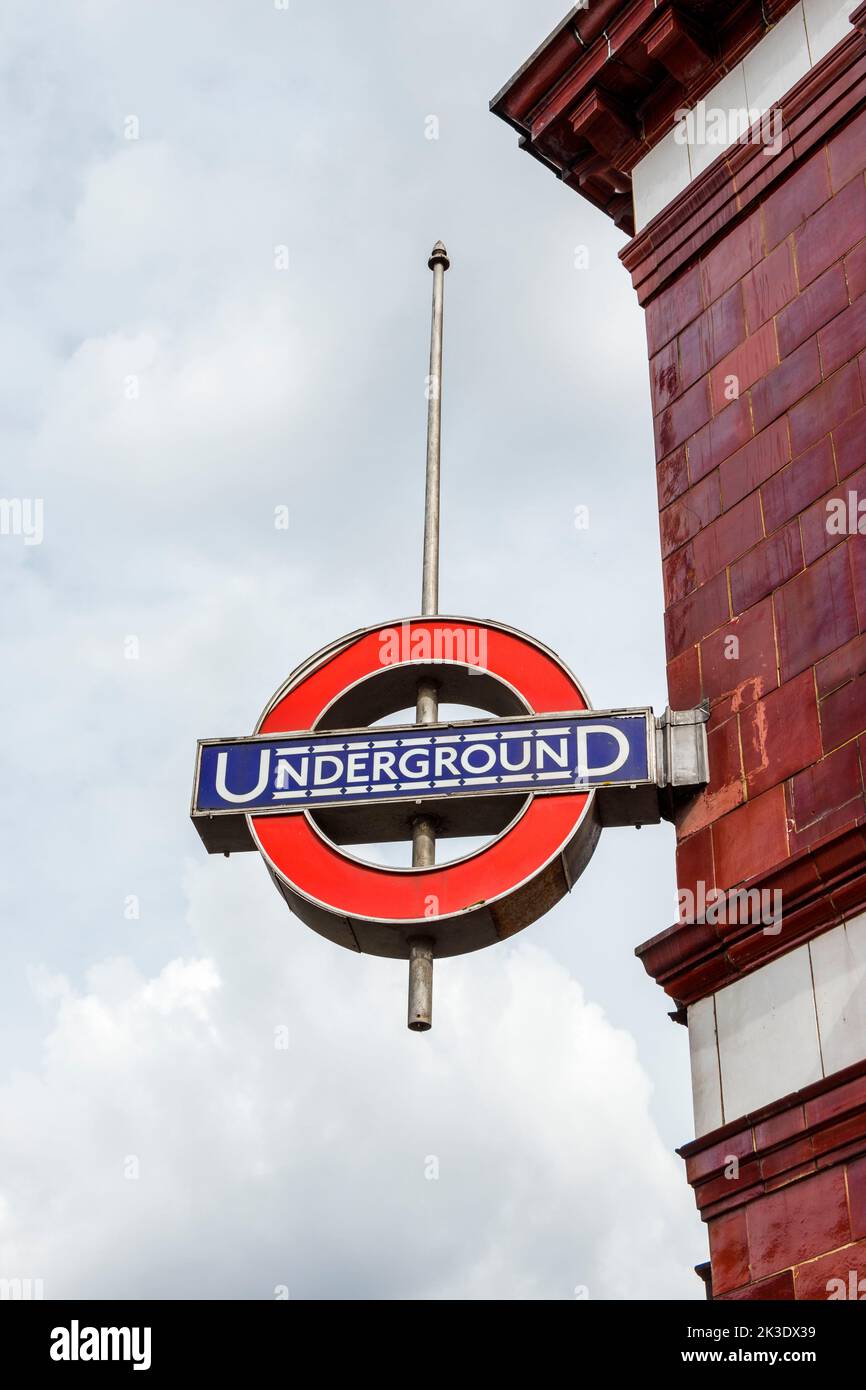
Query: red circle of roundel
[[308, 864]]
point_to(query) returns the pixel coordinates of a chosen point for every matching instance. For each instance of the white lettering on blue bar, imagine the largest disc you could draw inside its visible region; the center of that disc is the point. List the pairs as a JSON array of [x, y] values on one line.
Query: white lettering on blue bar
[[288, 771]]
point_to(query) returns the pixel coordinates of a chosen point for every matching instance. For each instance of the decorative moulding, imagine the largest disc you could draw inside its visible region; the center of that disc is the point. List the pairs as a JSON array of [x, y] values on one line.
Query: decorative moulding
[[608, 82]]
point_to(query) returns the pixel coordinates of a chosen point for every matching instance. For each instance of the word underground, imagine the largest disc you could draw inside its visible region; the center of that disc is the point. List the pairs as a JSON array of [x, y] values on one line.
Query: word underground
[[390, 763], [75, 1343]]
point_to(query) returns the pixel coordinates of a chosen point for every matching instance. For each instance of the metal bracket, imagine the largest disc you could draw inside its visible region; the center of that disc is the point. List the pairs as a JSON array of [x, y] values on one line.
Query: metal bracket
[[682, 757]]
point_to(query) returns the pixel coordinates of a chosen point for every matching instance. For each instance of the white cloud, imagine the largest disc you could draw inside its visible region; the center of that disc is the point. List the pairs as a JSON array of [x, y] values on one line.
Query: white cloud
[[301, 1166], [154, 258]]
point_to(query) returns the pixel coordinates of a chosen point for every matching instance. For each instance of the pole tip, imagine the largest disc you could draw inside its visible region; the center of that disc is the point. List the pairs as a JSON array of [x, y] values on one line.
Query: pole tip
[[439, 256]]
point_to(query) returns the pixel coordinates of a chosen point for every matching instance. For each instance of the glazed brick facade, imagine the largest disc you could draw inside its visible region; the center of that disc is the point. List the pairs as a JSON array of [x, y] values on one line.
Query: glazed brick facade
[[758, 380], [753, 279], [784, 1195], [776, 313]]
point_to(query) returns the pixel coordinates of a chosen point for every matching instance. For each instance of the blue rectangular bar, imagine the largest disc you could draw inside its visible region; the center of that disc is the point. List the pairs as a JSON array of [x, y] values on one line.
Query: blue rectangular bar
[[294, 772]]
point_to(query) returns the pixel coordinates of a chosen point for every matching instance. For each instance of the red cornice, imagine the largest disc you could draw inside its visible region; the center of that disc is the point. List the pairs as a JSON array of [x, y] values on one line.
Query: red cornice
[[825, 98], [684, 47], [639, 61], [815, 1128], [820, 888]]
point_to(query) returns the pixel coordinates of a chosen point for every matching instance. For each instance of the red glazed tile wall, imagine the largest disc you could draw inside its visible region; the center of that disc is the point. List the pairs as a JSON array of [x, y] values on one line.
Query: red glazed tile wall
[[785, 1229], [758, 365], [758, 377], [783, 1193], [754, 283]]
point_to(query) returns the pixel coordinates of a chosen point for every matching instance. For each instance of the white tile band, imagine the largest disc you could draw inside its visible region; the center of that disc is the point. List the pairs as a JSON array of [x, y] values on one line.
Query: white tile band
[[785, 54], [788, 1024]]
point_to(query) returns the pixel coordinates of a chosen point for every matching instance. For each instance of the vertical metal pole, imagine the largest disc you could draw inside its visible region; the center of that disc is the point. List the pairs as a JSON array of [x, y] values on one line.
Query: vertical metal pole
[[438, 263], [427, 707], [423, 832], [420, 1018]]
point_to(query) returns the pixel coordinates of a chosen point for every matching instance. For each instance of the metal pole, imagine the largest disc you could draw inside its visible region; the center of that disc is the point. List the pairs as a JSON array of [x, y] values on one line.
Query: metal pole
[[420, 1018], [423, 832], [438, 263], [427, 706]]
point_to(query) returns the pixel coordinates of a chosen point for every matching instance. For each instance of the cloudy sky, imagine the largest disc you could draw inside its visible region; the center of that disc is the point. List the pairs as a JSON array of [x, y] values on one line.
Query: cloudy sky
[[216, 220]]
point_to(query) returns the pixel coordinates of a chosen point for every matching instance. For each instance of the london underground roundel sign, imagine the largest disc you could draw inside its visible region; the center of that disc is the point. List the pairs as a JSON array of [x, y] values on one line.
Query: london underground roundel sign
[[537, 775], [483, 896]]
